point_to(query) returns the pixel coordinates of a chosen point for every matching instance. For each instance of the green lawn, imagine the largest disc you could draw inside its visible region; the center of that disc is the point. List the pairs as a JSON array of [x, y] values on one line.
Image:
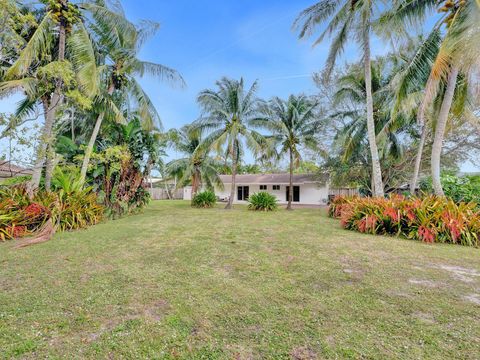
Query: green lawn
[[176, 282]]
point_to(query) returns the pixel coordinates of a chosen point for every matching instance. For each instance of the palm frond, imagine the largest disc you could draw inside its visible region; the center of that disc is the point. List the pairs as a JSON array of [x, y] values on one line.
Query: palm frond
[[84, 60], [36, 47]]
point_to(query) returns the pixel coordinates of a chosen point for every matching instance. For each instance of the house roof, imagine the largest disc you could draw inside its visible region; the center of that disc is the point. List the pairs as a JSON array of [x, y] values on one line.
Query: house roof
[[273, 179], [7, 170]]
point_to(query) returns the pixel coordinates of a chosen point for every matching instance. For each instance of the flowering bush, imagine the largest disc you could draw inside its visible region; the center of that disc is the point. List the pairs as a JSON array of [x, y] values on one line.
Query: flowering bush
[[429, 219]]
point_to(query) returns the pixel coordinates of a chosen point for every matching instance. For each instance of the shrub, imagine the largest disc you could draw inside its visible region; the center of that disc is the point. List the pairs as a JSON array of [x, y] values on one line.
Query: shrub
[[119, 181], [429, 219], [459, 189], [205, 199], [262, 201]]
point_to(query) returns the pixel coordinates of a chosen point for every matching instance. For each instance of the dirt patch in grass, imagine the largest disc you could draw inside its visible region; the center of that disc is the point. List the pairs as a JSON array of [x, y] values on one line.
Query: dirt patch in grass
[[353, 268], [473, 298], [157, 310], [303, 353], [424, 282], [424, 317], [461, 273]]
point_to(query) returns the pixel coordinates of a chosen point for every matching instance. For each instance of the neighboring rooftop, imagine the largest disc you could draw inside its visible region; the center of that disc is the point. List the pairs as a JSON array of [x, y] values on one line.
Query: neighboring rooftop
[[8, 169], [274, 179]]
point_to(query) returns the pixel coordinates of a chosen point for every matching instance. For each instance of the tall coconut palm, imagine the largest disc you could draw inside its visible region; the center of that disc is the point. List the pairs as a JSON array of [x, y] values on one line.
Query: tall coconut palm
[[196, 168], [293, 125], [123, 69], [459, 50], [352, 139], [60, 18], [227, 115], [410, 82], [349, 19]]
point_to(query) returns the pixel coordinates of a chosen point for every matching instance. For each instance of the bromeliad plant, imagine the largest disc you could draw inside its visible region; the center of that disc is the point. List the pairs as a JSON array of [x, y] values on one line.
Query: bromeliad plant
[[262, 201], [204, 199], [68, 208], [429, 219]]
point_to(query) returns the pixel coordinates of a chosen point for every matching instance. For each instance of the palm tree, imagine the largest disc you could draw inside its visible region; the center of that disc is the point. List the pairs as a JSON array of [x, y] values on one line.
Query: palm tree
[[123, 69], [61, 18], [197, 168], [459, 51], [352, 138], [409, 83], [293, 124], [227, 115], [352, 20], [456, 55]]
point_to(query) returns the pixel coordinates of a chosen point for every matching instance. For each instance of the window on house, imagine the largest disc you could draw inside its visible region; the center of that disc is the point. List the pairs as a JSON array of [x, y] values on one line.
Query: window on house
[[276, 187], [243, 192], [263, 187]]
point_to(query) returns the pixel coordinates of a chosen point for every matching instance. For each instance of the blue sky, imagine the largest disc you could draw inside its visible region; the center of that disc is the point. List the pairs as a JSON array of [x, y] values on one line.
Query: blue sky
[[207, 39]]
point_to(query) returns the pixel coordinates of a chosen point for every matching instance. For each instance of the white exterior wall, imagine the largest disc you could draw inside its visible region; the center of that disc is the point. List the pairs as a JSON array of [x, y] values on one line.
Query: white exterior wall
[[310, 194], [187, 193]]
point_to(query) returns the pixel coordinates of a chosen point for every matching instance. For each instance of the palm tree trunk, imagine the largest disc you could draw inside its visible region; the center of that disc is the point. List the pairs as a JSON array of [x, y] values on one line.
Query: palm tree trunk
[[377, 171], [440, 130], [418, 160], [290, 189], [49, 166], [93, 138], [72, 125], [422, 122], [89, 149], [195, 183], [55, 101], [372, 184], [234, 174], [40, 150]]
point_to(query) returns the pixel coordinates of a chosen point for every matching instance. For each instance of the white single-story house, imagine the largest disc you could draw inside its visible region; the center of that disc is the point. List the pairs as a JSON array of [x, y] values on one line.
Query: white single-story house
[[308, 189]]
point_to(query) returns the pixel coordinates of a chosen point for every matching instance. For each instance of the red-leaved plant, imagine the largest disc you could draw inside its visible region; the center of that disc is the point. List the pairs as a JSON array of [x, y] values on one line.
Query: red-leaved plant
[[429, 219]]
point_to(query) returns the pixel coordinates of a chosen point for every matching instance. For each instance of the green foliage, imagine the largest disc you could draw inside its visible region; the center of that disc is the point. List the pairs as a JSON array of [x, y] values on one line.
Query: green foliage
[[67, 179], [204, 199], [116, 176], [429, 219], [466, 189], [16, 180], [57, 70], [197, 167], [262, 201], [307, 167]]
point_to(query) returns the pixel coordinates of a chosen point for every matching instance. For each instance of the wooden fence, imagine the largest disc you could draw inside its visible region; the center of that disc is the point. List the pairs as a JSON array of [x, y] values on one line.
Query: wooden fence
[[162, 194], [343, 192]]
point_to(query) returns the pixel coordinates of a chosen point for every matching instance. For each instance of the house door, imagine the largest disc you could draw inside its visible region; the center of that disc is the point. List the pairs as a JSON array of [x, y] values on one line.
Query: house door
[[243, 192], [296, 193]]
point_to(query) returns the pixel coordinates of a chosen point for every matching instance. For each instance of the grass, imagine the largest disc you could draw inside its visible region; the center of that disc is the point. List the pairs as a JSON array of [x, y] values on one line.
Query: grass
[[176, 282]]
